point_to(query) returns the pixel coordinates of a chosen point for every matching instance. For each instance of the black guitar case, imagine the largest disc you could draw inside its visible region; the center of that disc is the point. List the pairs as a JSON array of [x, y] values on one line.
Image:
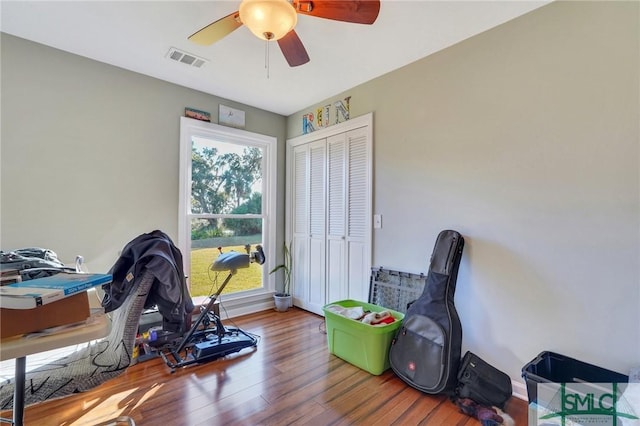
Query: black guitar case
[[425, 351]]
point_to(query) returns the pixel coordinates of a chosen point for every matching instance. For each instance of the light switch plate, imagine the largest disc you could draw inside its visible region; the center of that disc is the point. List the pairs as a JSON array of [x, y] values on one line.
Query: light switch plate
[[377, 221]]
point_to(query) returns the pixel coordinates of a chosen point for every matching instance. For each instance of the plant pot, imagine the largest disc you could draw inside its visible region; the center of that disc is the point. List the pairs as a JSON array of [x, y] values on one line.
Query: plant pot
[[282, 301]]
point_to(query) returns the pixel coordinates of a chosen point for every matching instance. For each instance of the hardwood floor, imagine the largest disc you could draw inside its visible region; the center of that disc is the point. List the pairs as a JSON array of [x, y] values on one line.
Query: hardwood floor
[[291, 378]]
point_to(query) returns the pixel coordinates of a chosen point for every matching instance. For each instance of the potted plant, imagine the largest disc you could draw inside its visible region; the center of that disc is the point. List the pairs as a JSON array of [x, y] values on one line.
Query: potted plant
[[283, 299]]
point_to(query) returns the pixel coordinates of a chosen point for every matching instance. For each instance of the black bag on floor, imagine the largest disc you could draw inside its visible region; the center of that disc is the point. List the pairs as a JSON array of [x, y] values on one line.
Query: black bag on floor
[[482, 382], [425, 352]]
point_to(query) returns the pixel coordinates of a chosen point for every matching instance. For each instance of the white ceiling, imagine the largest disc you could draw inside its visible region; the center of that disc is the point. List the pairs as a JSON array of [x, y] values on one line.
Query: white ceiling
[[136, 35]]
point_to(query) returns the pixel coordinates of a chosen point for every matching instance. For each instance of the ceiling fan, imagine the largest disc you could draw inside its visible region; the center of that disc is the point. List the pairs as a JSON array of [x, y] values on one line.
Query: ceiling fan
[[275, 20]]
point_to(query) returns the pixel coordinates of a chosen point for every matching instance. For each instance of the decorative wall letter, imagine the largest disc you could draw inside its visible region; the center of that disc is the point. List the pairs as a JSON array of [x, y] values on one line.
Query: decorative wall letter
[[307, 123], [322, 116], [342, 109]]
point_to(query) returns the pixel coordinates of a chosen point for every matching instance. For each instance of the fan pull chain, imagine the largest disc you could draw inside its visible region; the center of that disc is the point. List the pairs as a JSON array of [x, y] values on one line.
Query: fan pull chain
[[266, 57]]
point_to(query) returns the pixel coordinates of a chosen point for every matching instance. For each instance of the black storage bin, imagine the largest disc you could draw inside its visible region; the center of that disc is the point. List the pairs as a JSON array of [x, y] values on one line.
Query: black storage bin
[[550, 367]]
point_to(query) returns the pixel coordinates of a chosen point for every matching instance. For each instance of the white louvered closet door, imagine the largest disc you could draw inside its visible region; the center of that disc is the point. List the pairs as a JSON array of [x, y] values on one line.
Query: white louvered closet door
[[309, 174], [337, 285], [330, 203], [348, 208], [299, 196], [358, 213], [317, 215]]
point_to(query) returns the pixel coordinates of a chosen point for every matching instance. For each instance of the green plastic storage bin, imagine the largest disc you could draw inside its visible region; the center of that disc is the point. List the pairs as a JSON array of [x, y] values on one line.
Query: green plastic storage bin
[[362, 345]]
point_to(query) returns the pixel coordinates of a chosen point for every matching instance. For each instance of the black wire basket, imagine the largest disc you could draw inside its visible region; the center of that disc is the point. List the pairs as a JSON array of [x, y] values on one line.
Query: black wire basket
[[395, 289]]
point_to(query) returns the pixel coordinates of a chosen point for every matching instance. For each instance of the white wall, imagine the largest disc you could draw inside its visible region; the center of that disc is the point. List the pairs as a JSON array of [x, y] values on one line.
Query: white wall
[[525, 139], [90, 152]]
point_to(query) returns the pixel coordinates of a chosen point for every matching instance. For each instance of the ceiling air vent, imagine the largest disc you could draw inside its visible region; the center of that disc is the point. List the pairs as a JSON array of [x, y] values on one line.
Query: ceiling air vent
[[186, 58]]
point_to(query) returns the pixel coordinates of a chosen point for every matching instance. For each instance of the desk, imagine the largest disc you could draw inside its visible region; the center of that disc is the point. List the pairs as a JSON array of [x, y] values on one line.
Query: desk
[[97, 326]]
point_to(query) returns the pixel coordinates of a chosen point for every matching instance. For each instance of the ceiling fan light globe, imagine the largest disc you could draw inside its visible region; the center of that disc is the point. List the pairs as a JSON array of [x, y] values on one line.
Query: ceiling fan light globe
[[268, 19]]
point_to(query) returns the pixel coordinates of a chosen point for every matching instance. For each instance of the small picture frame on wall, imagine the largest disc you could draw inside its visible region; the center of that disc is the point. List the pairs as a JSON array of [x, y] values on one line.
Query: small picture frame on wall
[[197, 114], [231, 117]]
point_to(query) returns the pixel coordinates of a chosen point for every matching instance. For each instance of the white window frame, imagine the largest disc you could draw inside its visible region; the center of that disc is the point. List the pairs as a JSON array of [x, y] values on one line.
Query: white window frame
[[190, 128]]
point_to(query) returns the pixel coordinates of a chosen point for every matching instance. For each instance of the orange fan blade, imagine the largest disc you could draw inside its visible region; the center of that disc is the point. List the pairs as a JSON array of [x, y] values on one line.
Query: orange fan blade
[[356, 11], [293, 49], [217, 30]]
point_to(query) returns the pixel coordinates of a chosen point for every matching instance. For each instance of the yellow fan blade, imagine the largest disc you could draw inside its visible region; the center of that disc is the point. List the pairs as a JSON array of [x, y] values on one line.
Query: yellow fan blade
[[217, 30]]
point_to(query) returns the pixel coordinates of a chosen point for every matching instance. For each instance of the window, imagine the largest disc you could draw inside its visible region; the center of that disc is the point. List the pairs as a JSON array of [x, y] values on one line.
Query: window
[[227, 188]]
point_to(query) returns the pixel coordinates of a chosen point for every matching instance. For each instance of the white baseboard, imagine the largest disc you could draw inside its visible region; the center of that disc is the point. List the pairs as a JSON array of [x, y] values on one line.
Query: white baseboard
[[519, 390], [245, 310], [231, 308]]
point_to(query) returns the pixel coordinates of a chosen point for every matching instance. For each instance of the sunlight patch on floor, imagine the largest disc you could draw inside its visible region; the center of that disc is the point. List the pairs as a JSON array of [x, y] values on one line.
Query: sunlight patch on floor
[[101, 409]]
